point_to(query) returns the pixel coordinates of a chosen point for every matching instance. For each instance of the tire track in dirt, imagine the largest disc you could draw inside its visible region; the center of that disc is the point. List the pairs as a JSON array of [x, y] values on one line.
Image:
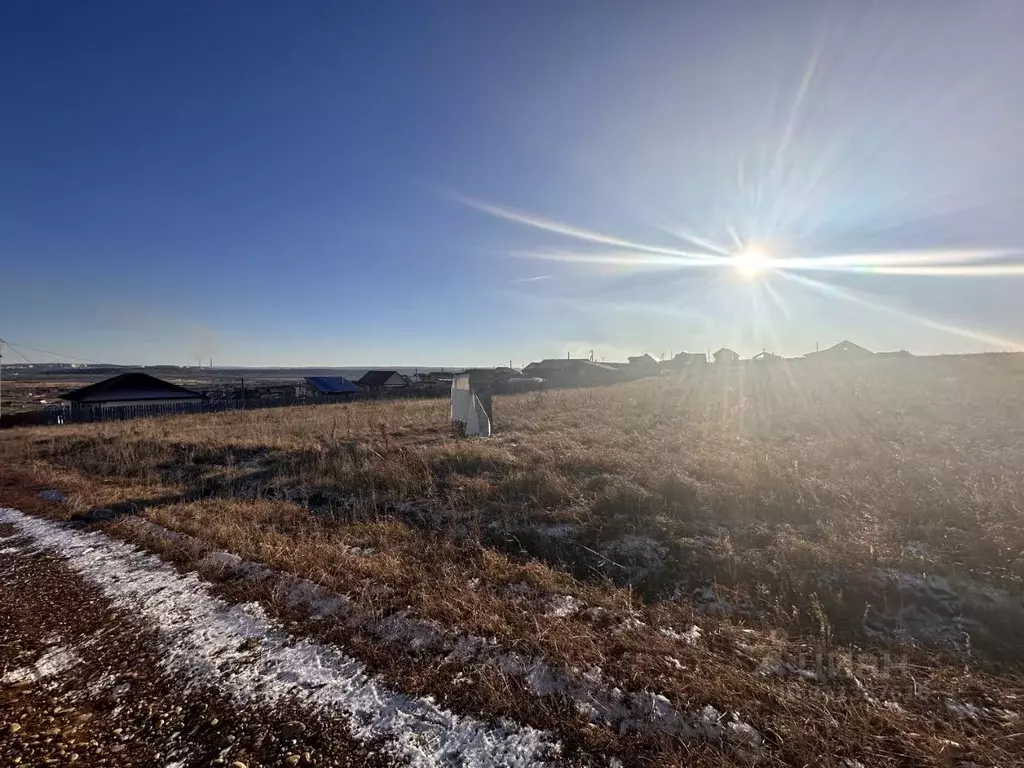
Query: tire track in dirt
[[81, 682], [170, 631]]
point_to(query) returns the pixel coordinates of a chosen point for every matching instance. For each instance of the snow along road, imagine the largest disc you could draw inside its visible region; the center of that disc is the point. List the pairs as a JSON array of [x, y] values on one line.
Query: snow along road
[[211, 647]]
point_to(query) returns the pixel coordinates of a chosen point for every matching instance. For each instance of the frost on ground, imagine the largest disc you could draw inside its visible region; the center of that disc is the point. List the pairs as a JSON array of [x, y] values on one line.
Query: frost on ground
[[51, 495], [53, 662], [562, 605], [689, 637], [596, 698], [209, 641], [965, 710]]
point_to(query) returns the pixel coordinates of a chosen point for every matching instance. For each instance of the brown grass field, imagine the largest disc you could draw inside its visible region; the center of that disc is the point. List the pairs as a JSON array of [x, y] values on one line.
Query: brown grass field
[[849, 539]]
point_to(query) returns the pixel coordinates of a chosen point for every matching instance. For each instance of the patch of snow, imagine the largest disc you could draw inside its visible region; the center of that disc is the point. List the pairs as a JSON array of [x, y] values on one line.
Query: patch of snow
[[718, 726], [9, 551], [689, 637], [968, 711], [965, 710], [560, 531], [774, 667], [359, 551], [53, 662], [596, 697], [52, 495], [562, 605], [849, 762], [631, 622], [204, 639]]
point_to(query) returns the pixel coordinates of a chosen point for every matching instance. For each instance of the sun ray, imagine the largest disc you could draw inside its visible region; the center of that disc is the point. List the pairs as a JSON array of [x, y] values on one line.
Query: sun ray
[[538, 222], [794, 110], [747, 259], [960, 270], [776, 298], [687, 235], [898, 258], [624, 258]]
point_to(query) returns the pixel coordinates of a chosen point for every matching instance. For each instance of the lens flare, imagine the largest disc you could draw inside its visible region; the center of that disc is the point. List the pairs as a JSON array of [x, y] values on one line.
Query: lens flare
[[751, 262]]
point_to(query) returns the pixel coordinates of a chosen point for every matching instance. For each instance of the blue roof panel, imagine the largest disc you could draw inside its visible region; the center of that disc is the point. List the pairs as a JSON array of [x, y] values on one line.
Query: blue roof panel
[[331, 385]]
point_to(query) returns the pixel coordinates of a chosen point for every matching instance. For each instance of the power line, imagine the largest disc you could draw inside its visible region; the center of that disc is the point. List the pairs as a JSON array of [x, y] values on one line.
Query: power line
[[15, 350], [50, 352]]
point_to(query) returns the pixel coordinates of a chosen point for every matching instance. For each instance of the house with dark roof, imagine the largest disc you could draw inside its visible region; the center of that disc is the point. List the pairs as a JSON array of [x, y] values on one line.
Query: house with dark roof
[[479, 377], [683, 360], [330, 385], [382, 380], [546, 368], [573, 371], [844, 350], [642, 365], [132, 389], [726, 356]]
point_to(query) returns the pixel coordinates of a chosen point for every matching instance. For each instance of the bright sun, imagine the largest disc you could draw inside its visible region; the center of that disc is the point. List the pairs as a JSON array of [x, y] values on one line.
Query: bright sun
[[751, 262]]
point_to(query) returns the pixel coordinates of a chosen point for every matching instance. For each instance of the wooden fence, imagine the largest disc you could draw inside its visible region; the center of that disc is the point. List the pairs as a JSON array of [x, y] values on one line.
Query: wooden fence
[[74, 413]]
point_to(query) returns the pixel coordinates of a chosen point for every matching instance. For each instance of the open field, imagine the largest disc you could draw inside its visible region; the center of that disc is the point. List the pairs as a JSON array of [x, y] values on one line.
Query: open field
[[762, 564]]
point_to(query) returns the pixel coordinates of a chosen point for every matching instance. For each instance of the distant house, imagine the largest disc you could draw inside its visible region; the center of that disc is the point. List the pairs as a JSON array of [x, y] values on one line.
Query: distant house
[[489, 376], [438, 377], [766, 357], [844, 350], [726, 356], [382, 380], [683, 360], [897, 353], [268, 393], [329, 385], [573, 371], [551, 365], [132, 389], [643, 365]]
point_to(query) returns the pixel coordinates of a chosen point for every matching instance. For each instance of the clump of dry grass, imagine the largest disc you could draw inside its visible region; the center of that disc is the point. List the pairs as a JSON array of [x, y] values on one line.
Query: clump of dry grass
[[788, 494]]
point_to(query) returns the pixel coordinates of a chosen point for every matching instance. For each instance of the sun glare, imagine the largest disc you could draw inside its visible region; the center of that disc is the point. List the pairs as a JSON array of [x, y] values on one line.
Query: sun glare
[[751, 262]]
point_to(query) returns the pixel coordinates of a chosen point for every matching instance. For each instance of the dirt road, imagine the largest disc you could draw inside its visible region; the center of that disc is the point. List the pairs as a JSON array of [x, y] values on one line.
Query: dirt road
[[108, 656]]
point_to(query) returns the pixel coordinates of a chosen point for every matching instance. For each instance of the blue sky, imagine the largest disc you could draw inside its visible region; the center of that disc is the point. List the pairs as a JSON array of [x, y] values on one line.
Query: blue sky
[[466, 183]]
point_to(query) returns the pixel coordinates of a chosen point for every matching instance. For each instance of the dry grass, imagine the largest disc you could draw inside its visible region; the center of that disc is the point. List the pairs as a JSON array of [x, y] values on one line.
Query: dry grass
[[799, 501]]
